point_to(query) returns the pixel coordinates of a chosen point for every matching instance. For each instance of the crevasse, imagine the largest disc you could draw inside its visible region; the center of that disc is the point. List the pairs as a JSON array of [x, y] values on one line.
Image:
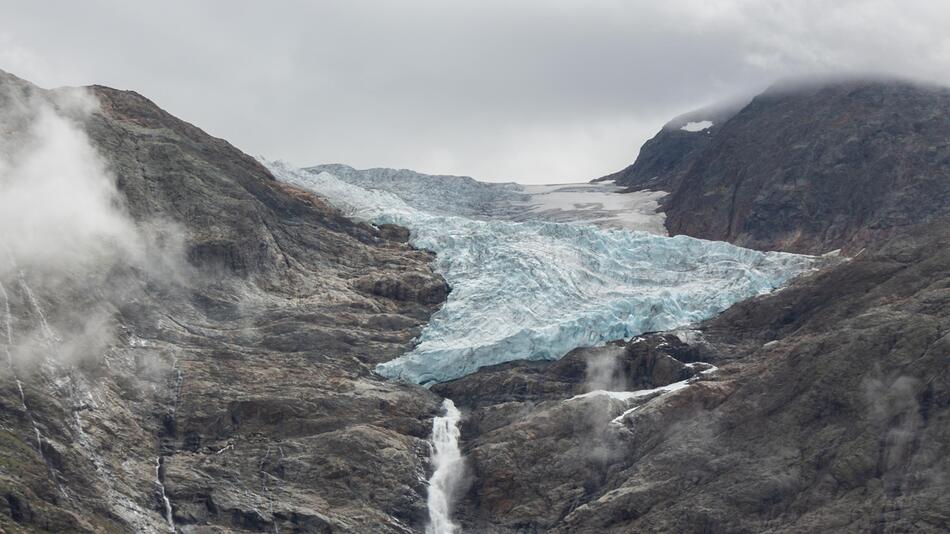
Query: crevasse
[[536, 290]]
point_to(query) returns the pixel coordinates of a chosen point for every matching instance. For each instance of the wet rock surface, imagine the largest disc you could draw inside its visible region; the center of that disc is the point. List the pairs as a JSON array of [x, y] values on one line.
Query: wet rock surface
[[240, 387], [652, 361], [807, 167]]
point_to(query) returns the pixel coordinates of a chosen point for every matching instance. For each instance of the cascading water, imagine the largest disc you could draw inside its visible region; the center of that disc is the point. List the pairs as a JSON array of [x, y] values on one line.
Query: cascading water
[[7, 344], [449, 468], [166, 504], [8, 347], [51, 338], [168, 514]]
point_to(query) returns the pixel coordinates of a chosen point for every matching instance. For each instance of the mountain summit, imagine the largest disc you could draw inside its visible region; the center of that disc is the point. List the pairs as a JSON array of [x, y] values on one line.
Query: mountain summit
[[805, 166]]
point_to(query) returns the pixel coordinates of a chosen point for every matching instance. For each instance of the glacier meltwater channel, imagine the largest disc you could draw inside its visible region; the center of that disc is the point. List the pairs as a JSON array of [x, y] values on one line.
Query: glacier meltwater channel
[[446, 477], [538, 289]]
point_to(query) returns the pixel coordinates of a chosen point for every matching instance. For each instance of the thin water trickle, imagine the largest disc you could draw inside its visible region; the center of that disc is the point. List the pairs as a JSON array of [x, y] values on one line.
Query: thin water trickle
[[159, 479], [7, 345]]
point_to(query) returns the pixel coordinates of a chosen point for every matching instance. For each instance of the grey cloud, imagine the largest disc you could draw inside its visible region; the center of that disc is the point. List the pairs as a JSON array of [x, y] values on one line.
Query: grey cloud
[[539, 91], [65, 237]]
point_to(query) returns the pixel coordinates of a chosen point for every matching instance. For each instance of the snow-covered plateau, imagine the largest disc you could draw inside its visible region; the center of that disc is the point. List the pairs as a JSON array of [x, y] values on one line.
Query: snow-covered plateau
[[536, 289]]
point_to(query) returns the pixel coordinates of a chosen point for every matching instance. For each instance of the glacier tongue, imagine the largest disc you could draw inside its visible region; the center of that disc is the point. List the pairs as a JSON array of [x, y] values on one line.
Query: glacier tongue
[[536, 290]]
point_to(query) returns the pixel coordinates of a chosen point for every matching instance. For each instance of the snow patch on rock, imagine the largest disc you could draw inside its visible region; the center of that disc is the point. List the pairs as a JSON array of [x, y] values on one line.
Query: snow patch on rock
[[696, 126]]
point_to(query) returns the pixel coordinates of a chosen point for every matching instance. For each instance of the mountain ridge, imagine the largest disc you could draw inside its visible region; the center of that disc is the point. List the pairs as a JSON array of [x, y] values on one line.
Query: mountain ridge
[[214, 395], [809, 167]]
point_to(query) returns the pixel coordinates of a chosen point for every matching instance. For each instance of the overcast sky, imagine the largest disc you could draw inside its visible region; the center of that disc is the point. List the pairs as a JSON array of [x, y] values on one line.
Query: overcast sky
[[534, 91]]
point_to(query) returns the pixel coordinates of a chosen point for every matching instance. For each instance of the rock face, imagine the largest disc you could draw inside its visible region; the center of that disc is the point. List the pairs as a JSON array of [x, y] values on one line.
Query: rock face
[[663, 156], [828, 409], [829, 412], [230, 371], [807, 167], [829, 406]]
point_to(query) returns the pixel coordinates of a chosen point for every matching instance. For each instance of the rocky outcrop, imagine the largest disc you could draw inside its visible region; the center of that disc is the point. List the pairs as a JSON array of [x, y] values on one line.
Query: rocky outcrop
[[828, 407], [663, 156], [828, 412], [231, 372], [653, 361], [806, 167]]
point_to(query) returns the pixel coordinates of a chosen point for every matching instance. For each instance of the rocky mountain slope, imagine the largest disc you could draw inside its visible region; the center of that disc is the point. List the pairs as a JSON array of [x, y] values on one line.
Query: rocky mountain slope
[[821, 408], [661, 157], [226, 367], [829, 412], [805, 167], [188, 344]]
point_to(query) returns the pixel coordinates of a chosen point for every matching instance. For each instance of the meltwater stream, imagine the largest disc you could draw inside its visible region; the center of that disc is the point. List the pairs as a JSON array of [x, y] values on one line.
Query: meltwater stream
[[447, 474]]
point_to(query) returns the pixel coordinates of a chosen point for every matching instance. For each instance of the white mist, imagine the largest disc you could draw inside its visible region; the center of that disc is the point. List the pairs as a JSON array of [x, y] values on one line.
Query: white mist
[[449, 467]]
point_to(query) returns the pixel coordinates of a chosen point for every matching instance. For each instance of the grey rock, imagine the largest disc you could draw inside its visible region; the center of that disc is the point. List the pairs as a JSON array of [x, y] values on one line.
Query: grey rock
[[806, 167], [244, 382], [829, 412]]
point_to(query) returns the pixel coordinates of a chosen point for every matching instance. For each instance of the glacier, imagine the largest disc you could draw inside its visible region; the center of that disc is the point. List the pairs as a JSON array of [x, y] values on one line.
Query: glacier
[[537, 289], [437, 194], [602, 203]]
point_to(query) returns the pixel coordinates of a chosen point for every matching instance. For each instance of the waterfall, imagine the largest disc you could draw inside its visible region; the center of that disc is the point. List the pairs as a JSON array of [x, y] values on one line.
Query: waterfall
[[160, 462], [7, 346], [51, 338], [160, 481], [447, 460]]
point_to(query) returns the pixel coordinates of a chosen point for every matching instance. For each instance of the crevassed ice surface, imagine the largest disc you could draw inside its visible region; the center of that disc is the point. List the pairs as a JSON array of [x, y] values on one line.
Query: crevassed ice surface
[[536, 290], [601, 203], [436, 194]]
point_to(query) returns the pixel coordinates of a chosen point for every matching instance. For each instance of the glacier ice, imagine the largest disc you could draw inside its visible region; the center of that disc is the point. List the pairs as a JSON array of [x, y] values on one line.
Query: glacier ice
[[537, 289], [437, 194], [600, 203]]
